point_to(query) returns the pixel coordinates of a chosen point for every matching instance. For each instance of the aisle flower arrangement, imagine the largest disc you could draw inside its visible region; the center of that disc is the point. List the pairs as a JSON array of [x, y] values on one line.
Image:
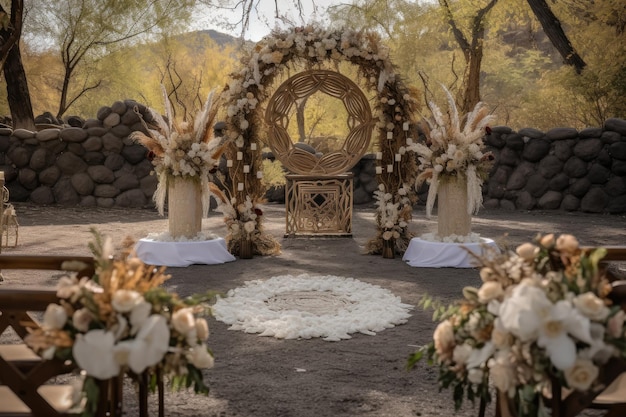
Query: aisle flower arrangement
[[541, 313], [122, 320], [454, 149], [243, 220], [184, 148]]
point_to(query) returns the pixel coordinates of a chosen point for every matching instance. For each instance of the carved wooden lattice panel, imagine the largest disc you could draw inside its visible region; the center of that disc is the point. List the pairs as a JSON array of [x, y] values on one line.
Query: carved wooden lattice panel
[[319, 206]]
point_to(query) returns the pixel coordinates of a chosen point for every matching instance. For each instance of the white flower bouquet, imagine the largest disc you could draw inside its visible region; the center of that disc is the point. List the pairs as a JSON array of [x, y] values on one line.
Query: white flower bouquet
[[542, 314], [123, 321]]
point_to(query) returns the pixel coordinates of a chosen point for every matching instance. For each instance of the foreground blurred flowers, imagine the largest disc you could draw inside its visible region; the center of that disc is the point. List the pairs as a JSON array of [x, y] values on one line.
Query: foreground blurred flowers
[[541, 314], [122, 320]]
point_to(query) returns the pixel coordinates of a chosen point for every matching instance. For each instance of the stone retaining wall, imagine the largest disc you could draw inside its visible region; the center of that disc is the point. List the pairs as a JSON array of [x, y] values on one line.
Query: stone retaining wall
[[97, 165], [92, 165]]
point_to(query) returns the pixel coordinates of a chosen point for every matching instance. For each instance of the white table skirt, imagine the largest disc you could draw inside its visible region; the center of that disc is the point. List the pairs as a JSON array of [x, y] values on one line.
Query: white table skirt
[[427, 254], [208, 252]]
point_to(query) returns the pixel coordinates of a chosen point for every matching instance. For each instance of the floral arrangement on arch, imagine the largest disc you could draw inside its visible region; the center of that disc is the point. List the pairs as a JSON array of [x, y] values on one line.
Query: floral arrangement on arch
[[454, 147], [393, 216], [542, 313], [243, 221], [123, 321], [270, 58], [184, 148]]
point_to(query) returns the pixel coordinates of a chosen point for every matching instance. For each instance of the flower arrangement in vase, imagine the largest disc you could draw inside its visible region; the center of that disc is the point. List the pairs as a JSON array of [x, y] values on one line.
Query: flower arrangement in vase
[[122, 321], [184, 154], [454, 161], [542, 313]]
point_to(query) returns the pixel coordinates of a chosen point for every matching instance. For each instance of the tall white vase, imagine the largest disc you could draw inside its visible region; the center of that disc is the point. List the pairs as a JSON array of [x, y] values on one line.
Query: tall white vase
[[452, 215], [184, 204]]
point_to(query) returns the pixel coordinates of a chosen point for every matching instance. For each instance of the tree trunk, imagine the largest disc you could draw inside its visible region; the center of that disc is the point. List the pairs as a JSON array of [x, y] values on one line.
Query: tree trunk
[[18, 95], [300, 107], [552, 27], [473, 53]]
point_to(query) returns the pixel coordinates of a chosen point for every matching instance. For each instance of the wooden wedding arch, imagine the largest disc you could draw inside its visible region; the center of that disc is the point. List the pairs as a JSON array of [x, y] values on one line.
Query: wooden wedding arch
[[389, 117]]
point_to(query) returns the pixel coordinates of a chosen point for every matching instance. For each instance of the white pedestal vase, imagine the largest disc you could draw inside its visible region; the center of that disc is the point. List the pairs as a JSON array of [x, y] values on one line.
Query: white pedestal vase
[[452, 215], [184, 204]]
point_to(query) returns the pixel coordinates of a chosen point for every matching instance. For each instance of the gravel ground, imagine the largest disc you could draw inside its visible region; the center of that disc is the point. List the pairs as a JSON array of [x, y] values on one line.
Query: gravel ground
[[263, 377]]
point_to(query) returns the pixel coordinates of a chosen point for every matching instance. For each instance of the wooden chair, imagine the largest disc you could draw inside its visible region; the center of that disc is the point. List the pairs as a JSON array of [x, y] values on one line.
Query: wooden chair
[[23, 374], [612, 397]]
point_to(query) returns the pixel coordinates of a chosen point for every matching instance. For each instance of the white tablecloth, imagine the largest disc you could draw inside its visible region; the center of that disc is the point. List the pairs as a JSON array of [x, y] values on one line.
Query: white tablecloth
[[427, 254], [208, 252]]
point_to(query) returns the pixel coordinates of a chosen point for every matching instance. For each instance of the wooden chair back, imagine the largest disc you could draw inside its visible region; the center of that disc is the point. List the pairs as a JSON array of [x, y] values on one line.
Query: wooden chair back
[[24, 375]]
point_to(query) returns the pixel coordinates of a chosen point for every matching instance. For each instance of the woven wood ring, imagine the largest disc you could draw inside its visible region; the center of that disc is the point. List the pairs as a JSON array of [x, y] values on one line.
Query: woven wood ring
[[303, 85]]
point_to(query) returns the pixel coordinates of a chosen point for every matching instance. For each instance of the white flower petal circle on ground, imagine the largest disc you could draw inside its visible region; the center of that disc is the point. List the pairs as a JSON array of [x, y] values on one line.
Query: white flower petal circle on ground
[[307, 306]]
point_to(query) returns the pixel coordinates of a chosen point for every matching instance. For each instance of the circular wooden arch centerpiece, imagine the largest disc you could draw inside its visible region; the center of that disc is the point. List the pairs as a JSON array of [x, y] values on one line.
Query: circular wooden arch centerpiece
[[301, 86]]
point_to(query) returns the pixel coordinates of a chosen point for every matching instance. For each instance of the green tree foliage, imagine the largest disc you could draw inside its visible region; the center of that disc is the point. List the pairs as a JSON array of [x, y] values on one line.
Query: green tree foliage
[[82, 32]]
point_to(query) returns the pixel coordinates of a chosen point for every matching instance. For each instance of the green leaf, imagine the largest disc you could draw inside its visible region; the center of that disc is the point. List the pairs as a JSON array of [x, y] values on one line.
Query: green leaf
[[415, 358], [92, 393]]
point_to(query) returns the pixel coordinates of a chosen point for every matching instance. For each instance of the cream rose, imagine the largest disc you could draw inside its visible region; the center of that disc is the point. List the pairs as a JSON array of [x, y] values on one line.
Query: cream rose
[[581, 375], [567, 243], [615, 325], [590, 305], [55, 317], [202, 329], [487, 274], [444, 339], [527, 251], [200, 357], [490, 290], [502, 371], [124, 301], [183, 320], [547, 241]]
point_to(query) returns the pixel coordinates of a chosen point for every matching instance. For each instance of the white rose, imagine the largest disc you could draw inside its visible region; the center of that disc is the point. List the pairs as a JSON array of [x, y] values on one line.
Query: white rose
[[475, 375], [461, 353], [183, 320], [202, 329], [55, 317], [200, 357], [81, 319], [123, 301], [94, 354], [581, 375], [490, 290], [591, 306], [249, 226]]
